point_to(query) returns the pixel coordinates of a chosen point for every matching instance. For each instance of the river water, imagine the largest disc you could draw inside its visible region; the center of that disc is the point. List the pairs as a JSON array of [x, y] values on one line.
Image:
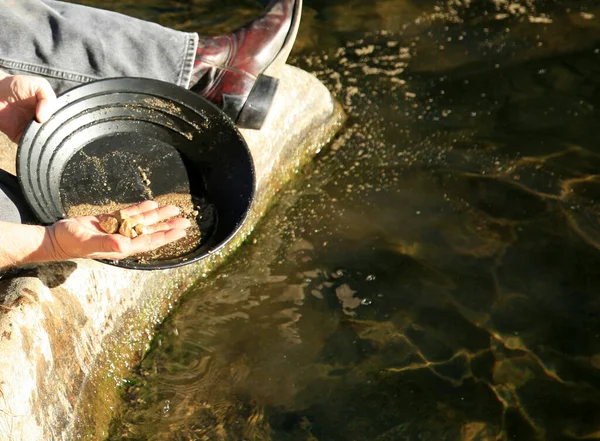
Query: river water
[[435, 273]]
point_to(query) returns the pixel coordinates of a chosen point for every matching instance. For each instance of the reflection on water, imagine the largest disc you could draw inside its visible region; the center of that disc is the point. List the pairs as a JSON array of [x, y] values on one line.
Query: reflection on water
[[434, 275]]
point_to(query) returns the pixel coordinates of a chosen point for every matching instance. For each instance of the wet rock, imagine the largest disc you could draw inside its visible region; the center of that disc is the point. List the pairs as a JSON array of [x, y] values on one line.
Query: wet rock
[[70, 333]]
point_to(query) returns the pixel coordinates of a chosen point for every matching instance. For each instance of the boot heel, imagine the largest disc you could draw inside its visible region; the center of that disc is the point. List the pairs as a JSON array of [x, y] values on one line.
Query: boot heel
[[258, 103]]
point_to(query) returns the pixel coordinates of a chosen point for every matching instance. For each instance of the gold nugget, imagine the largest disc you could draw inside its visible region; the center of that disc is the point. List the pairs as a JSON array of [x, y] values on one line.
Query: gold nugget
[[120, 222], [120, 215], [109, 224], [140, 229], [127, 228]]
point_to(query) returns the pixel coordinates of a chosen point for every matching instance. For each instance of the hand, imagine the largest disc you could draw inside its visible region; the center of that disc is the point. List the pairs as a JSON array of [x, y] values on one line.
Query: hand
[[82, 237], [23, 97]]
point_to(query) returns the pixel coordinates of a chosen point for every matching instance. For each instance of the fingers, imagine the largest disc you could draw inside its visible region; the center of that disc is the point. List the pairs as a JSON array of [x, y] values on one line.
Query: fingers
[[101, 245], [156, 215], [46, 100], [149, 242], [142, 207], [147, 213], [179, 223], [115, 246], [159, 233], [23, 97]]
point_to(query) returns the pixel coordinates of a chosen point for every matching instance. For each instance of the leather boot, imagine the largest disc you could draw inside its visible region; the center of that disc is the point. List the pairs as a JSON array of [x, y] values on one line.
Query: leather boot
[[237, 71]]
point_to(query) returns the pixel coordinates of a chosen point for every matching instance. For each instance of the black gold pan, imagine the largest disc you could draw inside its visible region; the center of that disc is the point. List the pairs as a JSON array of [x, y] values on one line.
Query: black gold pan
[[125, 140]]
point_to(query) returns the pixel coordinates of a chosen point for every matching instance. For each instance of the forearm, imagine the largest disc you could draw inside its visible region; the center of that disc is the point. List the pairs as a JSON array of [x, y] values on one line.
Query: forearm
[[23, 244]]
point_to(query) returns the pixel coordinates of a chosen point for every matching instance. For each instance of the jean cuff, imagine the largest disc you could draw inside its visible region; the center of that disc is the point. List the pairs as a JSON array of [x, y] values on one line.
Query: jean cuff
[[189, 56]]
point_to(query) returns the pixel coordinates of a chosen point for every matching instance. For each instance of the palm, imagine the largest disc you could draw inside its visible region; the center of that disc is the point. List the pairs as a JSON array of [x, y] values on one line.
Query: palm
[[82, 236]]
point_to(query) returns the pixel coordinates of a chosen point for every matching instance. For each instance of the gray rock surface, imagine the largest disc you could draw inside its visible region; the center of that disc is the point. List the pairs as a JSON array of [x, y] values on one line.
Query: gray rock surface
[[71, 331]]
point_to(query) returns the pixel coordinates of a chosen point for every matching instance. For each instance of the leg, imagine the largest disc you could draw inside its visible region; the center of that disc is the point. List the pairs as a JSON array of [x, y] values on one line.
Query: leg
[[238, 71], [71, 44], [13, 207]]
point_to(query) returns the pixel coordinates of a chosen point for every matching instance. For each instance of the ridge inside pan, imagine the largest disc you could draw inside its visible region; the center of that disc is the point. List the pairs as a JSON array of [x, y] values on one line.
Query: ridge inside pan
[[120, 141]]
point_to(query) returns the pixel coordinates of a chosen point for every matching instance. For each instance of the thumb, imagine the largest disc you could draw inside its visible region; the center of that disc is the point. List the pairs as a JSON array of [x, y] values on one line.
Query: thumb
[[46, 100]]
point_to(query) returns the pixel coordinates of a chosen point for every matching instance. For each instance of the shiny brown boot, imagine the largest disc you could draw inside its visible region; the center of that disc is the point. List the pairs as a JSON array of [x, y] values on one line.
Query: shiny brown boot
[[238, 71]]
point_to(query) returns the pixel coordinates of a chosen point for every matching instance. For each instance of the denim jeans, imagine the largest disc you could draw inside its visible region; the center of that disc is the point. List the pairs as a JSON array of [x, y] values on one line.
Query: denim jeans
[[70, 44], [13, 207]]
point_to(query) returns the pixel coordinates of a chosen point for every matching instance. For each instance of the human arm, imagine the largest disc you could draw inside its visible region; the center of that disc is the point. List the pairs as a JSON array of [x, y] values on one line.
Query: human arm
[[23, 97], [82, 237]]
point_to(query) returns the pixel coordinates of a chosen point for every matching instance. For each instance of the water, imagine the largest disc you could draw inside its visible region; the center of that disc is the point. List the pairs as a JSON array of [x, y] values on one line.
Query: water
[[434, 274]]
